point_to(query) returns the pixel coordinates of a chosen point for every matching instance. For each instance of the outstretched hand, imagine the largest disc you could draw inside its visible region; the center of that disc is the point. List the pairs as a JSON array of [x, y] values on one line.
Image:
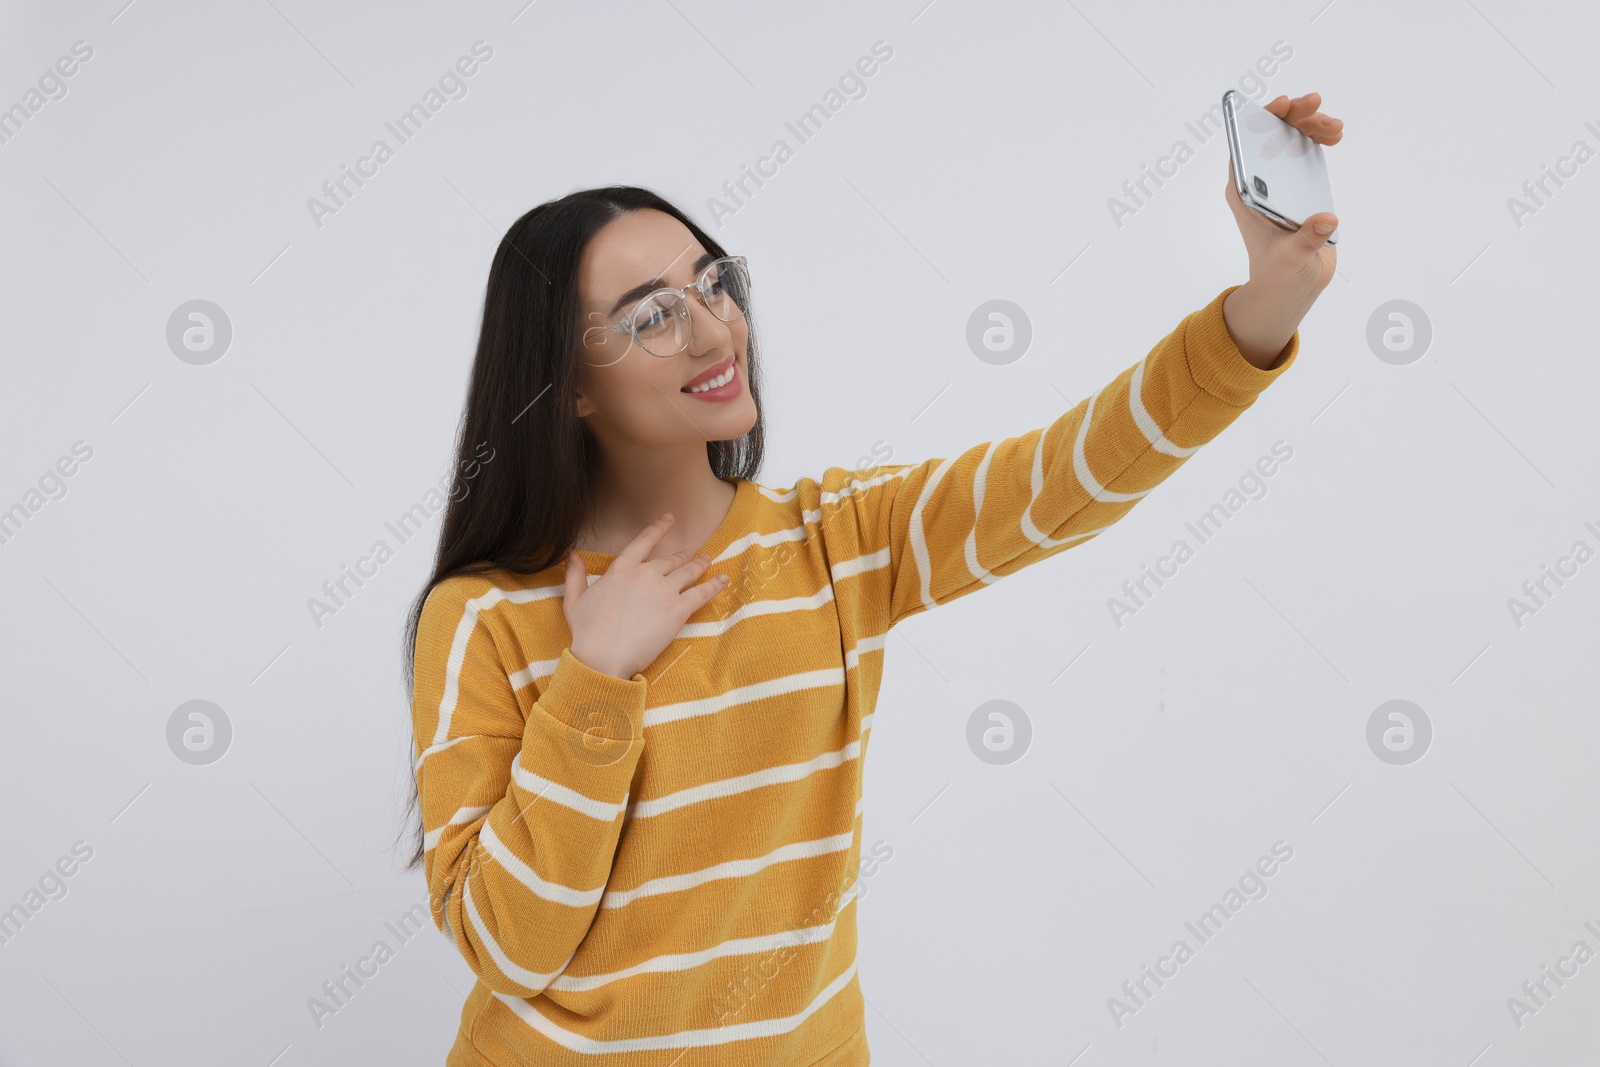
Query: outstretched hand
[[1296, 261], [1288, 268]]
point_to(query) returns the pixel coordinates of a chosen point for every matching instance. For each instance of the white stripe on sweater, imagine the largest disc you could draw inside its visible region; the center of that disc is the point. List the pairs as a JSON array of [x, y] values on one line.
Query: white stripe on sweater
[[768, 540], [722, 787], [744, 783], [775, 496], [789, 683], [1141, 417], [980, 483], [676, 883], [919, 544], [463, 635], [870, 561], [430, 840], [715, 628], [1080, 463], [852, 486], [603, 810], [852, 658], [554, 892], [855, 485], [431, 749], [509, 967], [525, 677], [1036, 485], [683, 961], [715, 1035]]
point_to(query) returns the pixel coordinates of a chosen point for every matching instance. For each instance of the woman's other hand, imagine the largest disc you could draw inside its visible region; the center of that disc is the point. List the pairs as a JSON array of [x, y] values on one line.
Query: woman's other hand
[[621, 623]]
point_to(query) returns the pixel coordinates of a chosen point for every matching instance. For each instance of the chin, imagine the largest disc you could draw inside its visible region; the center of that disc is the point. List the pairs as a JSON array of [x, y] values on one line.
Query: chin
[[736, 423]]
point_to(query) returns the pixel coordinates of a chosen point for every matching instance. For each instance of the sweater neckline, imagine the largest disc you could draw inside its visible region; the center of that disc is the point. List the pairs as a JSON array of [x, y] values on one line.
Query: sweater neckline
[[734, 524]]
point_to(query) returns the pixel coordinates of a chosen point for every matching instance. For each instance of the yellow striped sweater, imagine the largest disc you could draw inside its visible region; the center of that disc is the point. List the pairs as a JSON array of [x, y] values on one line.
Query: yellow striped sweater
[[662, 870]]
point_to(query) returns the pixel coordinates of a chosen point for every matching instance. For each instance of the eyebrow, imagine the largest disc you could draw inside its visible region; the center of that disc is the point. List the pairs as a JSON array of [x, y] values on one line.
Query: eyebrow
[[646, 288]]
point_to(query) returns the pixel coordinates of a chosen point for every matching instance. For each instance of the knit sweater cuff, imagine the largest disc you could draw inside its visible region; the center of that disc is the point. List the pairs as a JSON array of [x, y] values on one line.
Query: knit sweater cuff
[[1215, 362], [589, 700]]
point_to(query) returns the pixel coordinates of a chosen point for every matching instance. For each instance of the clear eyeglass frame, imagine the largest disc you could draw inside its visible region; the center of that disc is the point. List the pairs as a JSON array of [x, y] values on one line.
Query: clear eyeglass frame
[[674, 301]]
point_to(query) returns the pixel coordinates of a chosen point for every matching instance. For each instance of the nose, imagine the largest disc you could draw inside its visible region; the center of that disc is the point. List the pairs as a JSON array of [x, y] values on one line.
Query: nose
[[707, 333]]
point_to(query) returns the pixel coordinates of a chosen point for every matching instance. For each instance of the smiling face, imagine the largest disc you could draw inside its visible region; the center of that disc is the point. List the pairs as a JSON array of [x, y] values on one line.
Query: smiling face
[[631, 398]]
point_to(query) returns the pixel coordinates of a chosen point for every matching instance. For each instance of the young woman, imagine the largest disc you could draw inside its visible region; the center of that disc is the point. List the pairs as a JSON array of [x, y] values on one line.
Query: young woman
[[643, 682]]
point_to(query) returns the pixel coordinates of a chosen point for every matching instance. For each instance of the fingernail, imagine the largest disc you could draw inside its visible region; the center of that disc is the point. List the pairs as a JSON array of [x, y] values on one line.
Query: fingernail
[[1323, 228]]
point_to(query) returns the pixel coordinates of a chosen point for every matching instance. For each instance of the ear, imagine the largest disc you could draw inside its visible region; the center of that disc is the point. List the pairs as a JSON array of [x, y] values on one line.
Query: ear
[[593, 335], [580, 394]]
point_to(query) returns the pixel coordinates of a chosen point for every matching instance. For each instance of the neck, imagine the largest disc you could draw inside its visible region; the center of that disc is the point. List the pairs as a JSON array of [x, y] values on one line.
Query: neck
[[633, 493]]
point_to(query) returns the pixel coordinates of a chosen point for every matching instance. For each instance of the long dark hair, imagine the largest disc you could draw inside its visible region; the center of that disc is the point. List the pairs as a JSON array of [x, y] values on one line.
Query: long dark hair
[[523, 509]]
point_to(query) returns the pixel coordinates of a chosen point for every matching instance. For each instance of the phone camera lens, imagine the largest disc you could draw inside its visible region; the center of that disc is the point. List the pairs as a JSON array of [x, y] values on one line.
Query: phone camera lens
[[1261, 186]]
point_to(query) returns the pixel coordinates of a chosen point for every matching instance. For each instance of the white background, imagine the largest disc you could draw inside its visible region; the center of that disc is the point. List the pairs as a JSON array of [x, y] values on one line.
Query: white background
[[1228, 714]]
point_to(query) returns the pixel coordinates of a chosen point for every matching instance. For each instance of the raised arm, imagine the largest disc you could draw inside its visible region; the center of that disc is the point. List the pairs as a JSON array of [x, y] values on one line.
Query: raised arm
[[911, 537], [522, 813], [907, 538]]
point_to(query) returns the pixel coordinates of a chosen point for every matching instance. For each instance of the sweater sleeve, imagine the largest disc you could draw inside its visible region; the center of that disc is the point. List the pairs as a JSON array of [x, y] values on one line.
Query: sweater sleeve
[[521, 810], [911, 537]]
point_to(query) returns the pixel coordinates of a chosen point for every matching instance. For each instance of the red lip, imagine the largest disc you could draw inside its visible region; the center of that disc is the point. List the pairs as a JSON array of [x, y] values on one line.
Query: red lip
[[709, 374]]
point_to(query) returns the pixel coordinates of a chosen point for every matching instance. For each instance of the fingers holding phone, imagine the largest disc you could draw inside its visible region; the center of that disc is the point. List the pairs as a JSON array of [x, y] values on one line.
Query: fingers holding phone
[[1278, 189], [1301, 113]]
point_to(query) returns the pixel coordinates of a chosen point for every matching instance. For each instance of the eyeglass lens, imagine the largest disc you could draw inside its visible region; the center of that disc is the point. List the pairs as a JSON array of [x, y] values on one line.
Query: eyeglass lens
[[662, 323]]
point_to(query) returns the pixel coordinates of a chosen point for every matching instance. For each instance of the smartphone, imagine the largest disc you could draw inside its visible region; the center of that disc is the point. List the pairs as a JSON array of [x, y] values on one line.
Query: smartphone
[[1277, 170]]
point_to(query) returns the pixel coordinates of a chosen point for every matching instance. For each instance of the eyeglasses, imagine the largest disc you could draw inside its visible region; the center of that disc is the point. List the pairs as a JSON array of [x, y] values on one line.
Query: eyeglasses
[[660, 323]]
